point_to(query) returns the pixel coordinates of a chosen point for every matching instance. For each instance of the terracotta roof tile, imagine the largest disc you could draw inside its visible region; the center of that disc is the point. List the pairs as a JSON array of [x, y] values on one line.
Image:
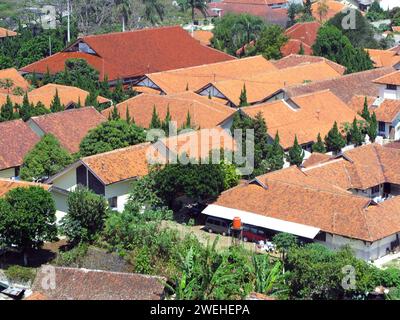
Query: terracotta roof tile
[[293, 46], [18, 80], [7, 33], [294, 59], [345, 87], [309, 115], [316, 158], [135, 53], [204, 36], [391, 78], [69, 126], [383, 58], [16, 140], [180, 80], [85, 284], [263, 85], [306, 32], [7, 185], [204, 112], [334, 7]]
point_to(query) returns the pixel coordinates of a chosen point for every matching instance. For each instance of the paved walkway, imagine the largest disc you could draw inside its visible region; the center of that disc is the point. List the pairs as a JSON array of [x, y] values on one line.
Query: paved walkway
[[385, 259]]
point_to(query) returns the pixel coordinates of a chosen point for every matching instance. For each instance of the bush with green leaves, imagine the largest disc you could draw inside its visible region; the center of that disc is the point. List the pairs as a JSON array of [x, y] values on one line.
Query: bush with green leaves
[[72, 257], [87, 212], [20, 274], [111, 135], [45, 159]]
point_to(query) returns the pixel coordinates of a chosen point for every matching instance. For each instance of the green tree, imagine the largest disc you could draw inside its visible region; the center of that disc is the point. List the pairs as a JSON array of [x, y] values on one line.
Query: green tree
[[293, 10], [275, 154], [128, 118], [260, 139], [166, 123], [25, 110], [115, 113], [295, 155], [355, 136], [155, 122], [86, 215], [111, 135], [7, 110], [372, 128], [243, 97], [365, 112], [39, 109], [284, 242], [270, 41], [44, 160], [118, 94], [27, 218], [56, 105], [334, 141], [319, 146]]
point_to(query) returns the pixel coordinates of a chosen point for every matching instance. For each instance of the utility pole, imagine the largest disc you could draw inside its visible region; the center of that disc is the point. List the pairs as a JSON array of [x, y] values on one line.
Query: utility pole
[[68, 22]]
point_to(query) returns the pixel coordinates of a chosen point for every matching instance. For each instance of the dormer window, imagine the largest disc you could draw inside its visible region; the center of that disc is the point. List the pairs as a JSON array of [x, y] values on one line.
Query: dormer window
[[391, 87]]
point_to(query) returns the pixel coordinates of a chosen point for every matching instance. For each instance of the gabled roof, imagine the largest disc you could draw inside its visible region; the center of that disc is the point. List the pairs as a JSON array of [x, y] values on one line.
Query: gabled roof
[[7, 33], [360, 168], [18, 80], [8, 184], [135, 53], [16, 140], [85, 284], [261, 86], [67, 94], [334, 7], [303, 116], [316, 158], [383, 58], [391, 78], [301, 34], [295, 59], [386, 110], [204, 112], [204, 36], [345, 87], [191, 79], [69, 126]]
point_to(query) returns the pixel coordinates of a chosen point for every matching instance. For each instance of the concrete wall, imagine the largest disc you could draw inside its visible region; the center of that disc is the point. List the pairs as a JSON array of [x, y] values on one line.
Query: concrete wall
[[67, 181], [389, 94], [7, 173], [119, 190]]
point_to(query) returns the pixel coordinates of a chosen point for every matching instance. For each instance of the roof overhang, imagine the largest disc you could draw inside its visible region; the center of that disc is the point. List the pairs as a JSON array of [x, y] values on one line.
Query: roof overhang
[[255, 219]]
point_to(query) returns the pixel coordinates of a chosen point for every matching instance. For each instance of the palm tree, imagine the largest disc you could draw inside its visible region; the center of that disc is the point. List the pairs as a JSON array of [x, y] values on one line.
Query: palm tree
[[124, 11], [248, 28]]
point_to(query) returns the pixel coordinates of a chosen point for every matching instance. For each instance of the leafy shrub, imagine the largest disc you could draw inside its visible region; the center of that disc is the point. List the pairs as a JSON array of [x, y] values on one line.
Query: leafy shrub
[[20, 274], [73, 257]]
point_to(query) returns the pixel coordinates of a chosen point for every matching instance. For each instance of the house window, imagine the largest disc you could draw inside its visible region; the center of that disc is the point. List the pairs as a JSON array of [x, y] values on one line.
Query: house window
[[382, 126], [112, 202], [375, 189], [391, 87]]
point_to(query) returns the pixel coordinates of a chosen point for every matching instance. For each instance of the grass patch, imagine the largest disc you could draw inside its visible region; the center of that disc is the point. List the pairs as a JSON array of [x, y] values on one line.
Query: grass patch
[[20, 274]]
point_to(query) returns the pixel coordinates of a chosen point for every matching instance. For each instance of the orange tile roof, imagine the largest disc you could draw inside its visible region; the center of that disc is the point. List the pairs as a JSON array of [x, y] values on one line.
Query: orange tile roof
[[175, 81], [316, 158], [7, 33], [391, 78], [396, 28], [69, 126], [360, 168], [357, 102], [119, 164], [67, 94], [7, 184], [306, 32], [18, 80], [16, 140], [37, 296], [261, 86], [315, 114], [293, 46], [204, 36], [383, 58], [135, 53], [14, 99], [204, 112], [295, 59], [334, 8]]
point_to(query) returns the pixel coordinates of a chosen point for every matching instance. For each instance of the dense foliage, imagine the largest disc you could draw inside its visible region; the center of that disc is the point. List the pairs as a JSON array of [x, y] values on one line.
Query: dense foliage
[[45, 159], [111, 135]]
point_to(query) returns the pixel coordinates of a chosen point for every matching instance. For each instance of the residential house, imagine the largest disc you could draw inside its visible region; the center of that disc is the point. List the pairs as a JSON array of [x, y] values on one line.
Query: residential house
[[203, 112], [111, 173], [301, 35], [334, 7], [6, 33], [262, 86], [16, 140], [69, 96], [331, 203], [344, 87], [86, 284], [18, 82], [193, 78], [69, 126], [302, 116], [385, 58], [129, 55]]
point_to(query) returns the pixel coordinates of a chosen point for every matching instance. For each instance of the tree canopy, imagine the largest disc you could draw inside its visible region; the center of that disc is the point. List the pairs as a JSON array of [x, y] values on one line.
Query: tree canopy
[[111, 135]]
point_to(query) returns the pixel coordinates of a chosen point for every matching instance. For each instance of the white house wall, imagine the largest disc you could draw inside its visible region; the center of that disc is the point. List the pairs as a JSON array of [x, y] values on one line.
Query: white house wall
[[67, 181], [121, 191], [7, 173], [389, 94], [61, 204]]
